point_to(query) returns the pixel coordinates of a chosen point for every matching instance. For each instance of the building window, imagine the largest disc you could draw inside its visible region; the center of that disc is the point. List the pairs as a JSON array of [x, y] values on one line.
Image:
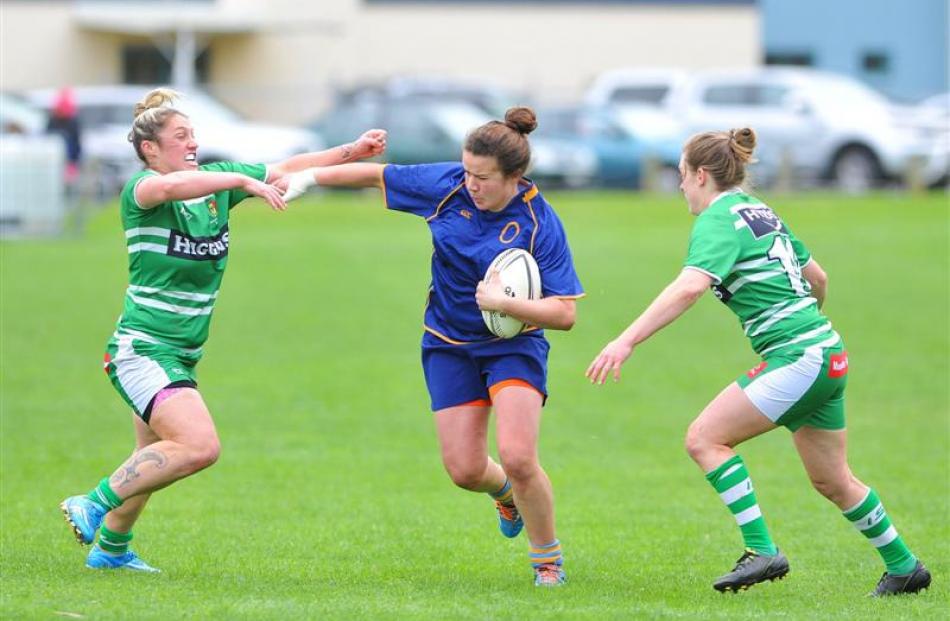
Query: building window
[[875, 62], [145, 64], [797, 59]]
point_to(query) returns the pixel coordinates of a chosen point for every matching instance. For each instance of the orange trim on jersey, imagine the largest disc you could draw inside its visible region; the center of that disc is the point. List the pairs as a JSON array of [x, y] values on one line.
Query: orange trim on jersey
[[527, 201], [482, 403], [382, 184], [445, 200], [453, 341], [494, 389]]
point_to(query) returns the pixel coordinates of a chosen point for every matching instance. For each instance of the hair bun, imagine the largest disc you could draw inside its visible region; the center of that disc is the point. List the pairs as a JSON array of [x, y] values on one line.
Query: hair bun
[[521, 119], [155, 99], [742, 143]]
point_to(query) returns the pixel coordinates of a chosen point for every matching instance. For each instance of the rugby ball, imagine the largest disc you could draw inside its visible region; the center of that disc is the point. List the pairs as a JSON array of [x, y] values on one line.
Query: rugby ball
[[520, 277]]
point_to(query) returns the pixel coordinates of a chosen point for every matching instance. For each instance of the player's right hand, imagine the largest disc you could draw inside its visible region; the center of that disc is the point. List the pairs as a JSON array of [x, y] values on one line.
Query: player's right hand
[[610, 359], [266, 191]]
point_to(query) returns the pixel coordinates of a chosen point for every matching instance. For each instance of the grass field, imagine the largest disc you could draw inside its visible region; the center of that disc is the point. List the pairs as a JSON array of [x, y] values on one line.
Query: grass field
[[329, 500]]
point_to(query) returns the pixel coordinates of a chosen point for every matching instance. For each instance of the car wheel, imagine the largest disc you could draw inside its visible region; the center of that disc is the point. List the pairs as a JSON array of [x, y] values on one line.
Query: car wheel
[[855, 170]]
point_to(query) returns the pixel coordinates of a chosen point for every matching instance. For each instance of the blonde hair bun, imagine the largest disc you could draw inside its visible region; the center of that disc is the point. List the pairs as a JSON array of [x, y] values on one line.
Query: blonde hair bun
[[742, 143], [157, 98]]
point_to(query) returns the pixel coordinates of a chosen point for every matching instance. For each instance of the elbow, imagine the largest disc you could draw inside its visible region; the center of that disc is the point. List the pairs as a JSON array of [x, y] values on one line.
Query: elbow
[[164, 191], [691, 294], [568, 317]]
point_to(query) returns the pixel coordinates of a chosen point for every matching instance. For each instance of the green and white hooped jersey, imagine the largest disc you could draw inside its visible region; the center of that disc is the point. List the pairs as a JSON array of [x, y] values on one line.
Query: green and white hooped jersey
[[177, 255], [757, 263]]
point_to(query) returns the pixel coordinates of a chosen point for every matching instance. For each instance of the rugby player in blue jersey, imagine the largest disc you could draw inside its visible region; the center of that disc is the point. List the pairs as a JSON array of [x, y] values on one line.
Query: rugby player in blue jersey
[[475, 210]]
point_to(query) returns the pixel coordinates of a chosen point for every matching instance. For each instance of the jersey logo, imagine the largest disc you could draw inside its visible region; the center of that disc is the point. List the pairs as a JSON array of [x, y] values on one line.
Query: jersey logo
[[184, 212], [213, 208], [721, 292], [466, 214], [838, 364], [761, 220], [757, 369], [509, 233], [185, 246]]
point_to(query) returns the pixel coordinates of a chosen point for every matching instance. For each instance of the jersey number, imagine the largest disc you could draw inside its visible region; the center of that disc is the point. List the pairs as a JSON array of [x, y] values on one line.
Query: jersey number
[[783, 252]]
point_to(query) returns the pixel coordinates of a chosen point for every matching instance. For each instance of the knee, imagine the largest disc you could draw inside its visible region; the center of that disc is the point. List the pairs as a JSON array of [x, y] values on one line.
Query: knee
[[695, 442], [465, 475], [201, 456], [519, 463], [834, 488]]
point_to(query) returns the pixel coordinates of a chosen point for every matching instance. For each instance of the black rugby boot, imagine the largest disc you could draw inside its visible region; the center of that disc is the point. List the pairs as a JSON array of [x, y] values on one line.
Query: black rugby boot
[[891, 584], [752, 568]]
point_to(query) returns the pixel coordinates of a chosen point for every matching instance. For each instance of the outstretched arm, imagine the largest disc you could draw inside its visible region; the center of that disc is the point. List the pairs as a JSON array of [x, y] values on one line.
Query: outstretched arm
[[370, 144], [184, 184], [344, 175], [672, 302]]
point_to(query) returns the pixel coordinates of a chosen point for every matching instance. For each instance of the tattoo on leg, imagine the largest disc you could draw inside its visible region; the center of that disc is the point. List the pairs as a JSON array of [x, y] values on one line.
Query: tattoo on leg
[[129, 471]]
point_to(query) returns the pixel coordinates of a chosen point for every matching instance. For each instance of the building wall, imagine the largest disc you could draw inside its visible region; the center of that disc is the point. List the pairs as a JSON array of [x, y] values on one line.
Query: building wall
[[40, 47], [912, 33], [553, 52], [286, 68]]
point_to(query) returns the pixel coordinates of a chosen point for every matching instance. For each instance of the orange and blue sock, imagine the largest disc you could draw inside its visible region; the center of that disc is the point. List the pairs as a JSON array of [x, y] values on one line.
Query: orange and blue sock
[[547, 554]]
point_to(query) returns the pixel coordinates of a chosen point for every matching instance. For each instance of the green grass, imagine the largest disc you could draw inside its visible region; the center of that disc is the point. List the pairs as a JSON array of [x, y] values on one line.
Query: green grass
[[329, 500]]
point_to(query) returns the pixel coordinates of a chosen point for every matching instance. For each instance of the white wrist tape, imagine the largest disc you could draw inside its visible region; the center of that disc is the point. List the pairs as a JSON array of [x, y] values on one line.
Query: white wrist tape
[[298, 184]]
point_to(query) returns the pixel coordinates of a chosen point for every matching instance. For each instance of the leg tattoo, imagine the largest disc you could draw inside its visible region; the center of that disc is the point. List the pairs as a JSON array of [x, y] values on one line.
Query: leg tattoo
[[129, 471]]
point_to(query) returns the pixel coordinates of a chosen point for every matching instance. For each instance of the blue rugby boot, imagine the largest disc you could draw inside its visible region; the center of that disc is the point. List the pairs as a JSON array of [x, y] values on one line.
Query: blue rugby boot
[[84, 516], [99, 559], [509, 520]]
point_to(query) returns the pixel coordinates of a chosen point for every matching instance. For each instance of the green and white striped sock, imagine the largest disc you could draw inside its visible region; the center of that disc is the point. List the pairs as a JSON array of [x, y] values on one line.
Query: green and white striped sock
[[870, 518], [731, 481], [114, 543], [103, 495]]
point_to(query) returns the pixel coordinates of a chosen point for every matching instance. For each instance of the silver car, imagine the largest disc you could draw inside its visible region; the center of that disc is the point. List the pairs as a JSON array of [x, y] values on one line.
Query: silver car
[[814, 125]]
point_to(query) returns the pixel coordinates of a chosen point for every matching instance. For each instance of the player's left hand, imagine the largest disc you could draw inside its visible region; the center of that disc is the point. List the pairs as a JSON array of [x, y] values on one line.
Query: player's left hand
[[490, 294], [610, 359], [370, 144]]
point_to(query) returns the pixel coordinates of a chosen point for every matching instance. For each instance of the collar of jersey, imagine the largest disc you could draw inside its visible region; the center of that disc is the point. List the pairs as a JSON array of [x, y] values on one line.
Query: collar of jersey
[[527, 191]]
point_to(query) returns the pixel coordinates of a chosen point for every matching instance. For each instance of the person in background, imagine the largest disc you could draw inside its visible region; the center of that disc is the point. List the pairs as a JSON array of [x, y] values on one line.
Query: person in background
[[64, 121]]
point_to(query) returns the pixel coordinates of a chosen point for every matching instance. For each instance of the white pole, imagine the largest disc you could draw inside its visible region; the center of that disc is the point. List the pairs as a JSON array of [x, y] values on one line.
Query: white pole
[[183, 62]]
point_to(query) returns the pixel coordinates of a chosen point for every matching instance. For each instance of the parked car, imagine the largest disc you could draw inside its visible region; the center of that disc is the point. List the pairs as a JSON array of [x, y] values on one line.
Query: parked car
[[623, 146], [32, 193], [105, 115], [643, 86], [822, 125], [19, 116], [432, 130], [814, 125], [937, 108], [493, 99]]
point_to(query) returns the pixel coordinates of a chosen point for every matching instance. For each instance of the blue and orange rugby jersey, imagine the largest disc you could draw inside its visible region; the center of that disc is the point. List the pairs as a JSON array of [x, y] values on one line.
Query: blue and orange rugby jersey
[[466, 240]]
